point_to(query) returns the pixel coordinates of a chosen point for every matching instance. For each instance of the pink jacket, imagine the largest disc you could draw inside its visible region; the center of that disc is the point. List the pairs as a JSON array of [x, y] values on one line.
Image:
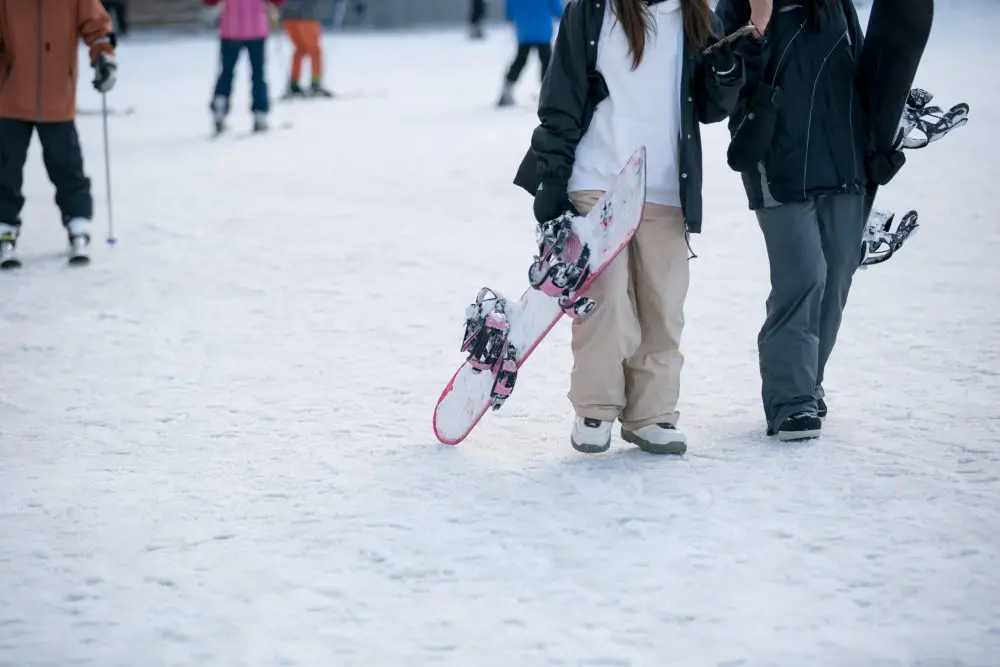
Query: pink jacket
[[244, 19]]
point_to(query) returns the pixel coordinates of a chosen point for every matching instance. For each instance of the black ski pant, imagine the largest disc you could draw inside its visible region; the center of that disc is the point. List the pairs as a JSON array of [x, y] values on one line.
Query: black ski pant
[[229, 55], [813, 248], [521, 59], [63, 161]]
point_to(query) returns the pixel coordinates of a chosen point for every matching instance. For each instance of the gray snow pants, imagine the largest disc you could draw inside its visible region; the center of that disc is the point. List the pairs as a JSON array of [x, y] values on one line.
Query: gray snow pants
[[813, 249]]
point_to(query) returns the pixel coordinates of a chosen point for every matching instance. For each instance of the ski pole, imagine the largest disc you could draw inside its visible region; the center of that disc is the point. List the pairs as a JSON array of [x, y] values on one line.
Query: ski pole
[[107, 169]]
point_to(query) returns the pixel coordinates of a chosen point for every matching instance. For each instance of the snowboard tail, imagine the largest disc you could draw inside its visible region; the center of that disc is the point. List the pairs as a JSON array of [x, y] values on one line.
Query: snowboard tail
[[500, 334], [897, 33]]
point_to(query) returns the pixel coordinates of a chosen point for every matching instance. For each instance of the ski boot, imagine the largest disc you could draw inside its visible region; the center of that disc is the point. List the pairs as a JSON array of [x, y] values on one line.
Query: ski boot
[[317, 90], [562, 265], [260, 121], [8, 246], [78, 230], [220, 109], [294, 90], [506, 95], [878, 244]]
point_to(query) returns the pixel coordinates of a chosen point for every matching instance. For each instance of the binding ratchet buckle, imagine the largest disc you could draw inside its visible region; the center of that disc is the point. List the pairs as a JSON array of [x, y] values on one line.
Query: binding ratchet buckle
[[562, 265], [486, 339]]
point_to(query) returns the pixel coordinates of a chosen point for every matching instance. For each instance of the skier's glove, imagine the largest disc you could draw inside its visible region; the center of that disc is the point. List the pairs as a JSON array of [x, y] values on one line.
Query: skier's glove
[[105, 72], [551, 201], [882, 167], [722, 60]]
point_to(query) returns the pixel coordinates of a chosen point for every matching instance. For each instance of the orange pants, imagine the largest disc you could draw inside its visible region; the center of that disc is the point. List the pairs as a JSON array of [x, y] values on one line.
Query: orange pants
[[305, 37]]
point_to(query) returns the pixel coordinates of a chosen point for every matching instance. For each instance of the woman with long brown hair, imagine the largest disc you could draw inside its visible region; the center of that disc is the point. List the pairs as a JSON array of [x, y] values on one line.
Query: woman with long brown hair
[[800, 143], [624, 74]]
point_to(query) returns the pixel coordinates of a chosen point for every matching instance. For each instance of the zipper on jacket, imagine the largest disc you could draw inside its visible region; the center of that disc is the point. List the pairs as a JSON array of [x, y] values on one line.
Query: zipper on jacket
[[854, 147], [812, 106], [38, 95]]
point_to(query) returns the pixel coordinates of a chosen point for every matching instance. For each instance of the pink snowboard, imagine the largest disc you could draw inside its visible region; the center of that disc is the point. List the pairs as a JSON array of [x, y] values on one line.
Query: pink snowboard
[[607, 229]]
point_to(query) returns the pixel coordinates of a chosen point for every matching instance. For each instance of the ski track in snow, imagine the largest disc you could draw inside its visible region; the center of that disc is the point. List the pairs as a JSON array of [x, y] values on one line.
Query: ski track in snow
[[216, 445]]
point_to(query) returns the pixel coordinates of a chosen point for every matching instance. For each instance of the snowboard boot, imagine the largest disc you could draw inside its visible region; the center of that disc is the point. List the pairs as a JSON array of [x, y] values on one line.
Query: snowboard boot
[[220, 109], [317, 90], [260, 121], [476, 31], [8, 246], [820, 408], [660, 438], [805, 425], [591, 436], [506, 95], [78, 230]]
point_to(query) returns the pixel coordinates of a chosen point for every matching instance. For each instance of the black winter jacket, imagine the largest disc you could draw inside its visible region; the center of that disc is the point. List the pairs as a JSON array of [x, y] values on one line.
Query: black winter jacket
[[573, 88], [820, 141]]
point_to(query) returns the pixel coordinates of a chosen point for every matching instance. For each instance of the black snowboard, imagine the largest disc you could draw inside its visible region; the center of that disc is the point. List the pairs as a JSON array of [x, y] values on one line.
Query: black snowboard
[[897, 33]]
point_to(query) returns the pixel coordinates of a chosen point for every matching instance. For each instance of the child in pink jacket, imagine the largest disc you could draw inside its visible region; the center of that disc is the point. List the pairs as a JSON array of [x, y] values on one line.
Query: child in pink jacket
[[243, 24]]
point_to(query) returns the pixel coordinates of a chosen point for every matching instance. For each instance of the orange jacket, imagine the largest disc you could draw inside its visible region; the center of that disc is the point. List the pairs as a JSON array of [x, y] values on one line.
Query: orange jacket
[[38, 55]]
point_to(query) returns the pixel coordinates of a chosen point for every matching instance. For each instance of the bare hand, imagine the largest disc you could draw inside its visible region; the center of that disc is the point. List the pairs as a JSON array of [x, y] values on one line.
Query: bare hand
[[760, 14]]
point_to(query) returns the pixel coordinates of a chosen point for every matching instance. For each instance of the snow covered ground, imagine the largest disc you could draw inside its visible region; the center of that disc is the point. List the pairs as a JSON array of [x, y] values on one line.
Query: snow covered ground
[[216, 445]]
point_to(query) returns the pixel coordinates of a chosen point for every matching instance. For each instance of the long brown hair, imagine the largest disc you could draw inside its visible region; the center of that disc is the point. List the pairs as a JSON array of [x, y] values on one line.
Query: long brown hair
[[635, 18]]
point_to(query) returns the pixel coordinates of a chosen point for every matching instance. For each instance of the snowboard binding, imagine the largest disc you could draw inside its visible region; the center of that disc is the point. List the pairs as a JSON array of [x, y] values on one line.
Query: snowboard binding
[[879, 243], [562, 265], [487, 330], [926, 123], [506, 376]]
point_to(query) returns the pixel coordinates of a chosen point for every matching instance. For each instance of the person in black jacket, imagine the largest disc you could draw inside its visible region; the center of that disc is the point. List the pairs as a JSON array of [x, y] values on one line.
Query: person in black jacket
[[800, 142], [625, 74]]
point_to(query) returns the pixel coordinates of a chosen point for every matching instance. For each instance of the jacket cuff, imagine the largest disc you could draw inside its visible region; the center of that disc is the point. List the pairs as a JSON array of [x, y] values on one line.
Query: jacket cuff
[[102, 45]]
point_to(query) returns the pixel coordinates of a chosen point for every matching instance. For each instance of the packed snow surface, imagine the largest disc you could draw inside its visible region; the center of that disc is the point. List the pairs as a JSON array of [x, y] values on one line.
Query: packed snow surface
[[216, 444]]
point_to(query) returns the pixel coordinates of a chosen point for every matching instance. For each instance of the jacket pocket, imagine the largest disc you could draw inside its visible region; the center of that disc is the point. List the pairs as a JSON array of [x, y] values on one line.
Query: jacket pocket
[[754, 129]]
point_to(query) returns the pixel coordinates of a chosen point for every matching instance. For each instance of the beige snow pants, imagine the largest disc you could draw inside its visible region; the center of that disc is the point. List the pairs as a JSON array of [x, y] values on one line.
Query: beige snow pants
[[626, 352]]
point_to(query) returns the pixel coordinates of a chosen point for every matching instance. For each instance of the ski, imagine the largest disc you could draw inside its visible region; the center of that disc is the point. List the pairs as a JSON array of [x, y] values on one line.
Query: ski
[[333, 97], [218, 134]]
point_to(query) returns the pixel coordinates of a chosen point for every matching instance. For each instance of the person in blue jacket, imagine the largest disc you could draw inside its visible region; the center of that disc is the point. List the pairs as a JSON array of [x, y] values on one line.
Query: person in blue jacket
[[532, 21]]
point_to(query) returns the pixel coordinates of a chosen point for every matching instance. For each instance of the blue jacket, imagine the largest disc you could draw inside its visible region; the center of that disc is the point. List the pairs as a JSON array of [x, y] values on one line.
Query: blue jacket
[[533, 19]]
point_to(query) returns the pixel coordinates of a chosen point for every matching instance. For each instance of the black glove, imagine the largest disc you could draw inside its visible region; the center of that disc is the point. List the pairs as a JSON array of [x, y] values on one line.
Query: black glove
[[551, 201], [882, 167], [722, 60], [105, 72]]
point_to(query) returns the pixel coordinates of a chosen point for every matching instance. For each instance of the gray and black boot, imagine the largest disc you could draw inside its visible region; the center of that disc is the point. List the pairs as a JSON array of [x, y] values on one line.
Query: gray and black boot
[[78, 230], [294, 90], [317, 90], [260, 121], [8, 246], [506, 95], [220, 109]]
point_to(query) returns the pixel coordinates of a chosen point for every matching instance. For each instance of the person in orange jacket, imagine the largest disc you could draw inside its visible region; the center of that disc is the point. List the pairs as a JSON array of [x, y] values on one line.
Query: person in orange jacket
[[38, 76]]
